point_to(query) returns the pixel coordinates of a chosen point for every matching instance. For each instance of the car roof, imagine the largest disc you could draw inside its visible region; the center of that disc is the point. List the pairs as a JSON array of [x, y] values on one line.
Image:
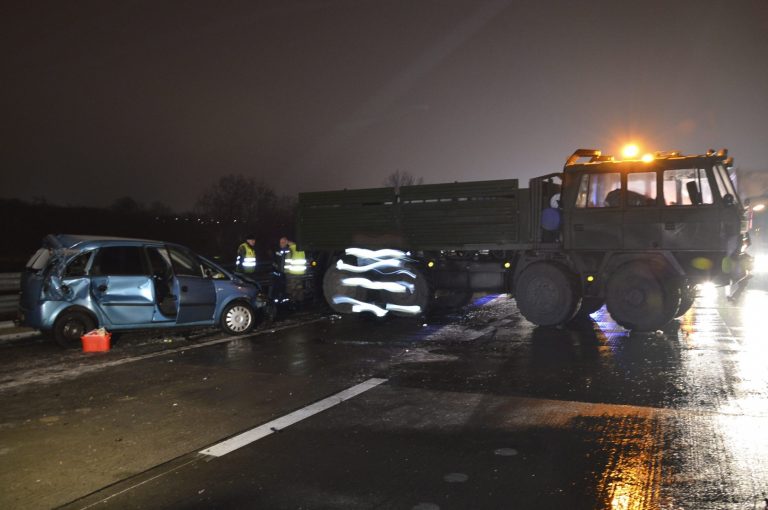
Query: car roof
[[75, 240]]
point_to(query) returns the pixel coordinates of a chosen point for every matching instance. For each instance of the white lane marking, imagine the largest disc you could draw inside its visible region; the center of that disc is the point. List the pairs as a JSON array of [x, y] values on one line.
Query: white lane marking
[[277, 425]]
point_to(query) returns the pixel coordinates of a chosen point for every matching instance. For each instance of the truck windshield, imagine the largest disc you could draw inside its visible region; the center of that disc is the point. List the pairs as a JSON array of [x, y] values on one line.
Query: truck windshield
[[681, 183]]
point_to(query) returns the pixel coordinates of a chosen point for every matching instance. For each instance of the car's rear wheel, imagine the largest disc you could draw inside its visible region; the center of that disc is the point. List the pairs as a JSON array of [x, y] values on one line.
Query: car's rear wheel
[[237, 319], [70, 326]]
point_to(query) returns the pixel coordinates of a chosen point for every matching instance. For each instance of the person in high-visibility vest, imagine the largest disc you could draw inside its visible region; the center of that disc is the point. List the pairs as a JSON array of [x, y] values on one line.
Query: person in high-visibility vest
[[295, 261], [288, 261], [246, 256]]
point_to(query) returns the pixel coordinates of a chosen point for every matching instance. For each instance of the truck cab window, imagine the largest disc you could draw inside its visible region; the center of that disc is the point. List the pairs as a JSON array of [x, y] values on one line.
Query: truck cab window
[[641, 189], [599, 190], [679, 184]]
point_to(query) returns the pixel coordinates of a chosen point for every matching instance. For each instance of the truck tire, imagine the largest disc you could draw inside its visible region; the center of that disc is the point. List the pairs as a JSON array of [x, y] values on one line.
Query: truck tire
[[421, 296], [333, 288], [546, 294], [640, 299]]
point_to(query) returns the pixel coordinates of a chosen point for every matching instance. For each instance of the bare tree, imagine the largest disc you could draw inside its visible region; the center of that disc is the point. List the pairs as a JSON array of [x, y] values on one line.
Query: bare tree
[[126, 205], [399, 178], [236, 198], [240, 205]]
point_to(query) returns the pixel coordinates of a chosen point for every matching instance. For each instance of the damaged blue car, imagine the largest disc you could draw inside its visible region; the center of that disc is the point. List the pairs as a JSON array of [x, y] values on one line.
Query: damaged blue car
[[74, 284]]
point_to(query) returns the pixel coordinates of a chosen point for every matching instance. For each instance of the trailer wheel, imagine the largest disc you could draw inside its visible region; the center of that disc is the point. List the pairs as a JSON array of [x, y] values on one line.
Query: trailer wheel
[[640, 299], [421, 296], [687, 298], [546, 294], [334, 289]]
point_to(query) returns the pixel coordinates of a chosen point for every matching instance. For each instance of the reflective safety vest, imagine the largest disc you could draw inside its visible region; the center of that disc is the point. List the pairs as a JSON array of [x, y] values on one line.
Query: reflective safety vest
[[295, 260], [246, 258]]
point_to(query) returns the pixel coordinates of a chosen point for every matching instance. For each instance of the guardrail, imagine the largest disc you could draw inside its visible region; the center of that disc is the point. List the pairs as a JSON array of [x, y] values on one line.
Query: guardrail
[[9, 294]]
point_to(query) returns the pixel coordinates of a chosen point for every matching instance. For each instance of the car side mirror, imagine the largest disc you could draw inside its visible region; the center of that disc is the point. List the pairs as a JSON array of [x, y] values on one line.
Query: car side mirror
[[728, 200]]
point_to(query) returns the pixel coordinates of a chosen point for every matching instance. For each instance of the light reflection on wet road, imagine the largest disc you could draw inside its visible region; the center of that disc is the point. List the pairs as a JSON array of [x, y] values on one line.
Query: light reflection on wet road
[[589, 416]]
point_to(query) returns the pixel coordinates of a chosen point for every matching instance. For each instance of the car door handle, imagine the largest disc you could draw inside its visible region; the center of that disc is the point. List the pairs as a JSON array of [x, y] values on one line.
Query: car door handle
[[102, 288], [184, 288], [669, 226]]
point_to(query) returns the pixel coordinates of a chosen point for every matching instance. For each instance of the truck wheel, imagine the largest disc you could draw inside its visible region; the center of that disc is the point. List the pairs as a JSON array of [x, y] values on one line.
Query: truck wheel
[[334, 289], [589, 305], [421, 296], [687, 298], [237, 318], [546, 294], [70, 326], [640, 300]]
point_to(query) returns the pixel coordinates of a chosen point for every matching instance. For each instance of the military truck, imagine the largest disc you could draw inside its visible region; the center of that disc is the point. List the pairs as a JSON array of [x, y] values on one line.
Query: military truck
[[637, 235]]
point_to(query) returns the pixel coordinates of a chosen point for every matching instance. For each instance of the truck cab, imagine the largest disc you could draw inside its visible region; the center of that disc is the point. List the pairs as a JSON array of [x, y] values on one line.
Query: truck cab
[[675, 219]]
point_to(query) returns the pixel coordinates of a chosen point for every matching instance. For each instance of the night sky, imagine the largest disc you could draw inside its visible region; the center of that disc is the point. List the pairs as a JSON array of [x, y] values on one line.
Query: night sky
[[158, 99]]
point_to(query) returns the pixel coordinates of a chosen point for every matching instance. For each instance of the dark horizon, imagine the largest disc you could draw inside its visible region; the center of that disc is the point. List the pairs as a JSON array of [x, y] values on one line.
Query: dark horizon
[[158, 101]]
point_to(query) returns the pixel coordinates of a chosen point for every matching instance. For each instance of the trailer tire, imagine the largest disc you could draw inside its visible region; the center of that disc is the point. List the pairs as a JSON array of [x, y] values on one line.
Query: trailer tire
[[333, 288], [640, 299], [422, 295], [546, 294]]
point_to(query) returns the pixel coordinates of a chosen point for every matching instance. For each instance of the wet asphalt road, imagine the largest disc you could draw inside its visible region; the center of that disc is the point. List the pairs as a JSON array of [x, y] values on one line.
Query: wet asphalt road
[[471, 409]]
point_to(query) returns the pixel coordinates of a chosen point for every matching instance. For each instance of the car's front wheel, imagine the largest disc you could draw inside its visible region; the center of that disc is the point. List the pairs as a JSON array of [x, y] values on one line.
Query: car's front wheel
[[70, 326], [237, 319]]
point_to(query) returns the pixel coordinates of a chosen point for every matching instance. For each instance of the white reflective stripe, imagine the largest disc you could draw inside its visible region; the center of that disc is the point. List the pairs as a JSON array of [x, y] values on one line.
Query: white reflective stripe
[[249, 262], [360, 306], [400, 271], [362, 269], [368, 284], [413, 310], [378, 254]]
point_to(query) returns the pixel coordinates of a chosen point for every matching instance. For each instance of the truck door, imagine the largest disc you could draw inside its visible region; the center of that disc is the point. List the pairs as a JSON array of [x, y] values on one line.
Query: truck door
[[596, 218], [196, 292], [642, 214], [689, 216]]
